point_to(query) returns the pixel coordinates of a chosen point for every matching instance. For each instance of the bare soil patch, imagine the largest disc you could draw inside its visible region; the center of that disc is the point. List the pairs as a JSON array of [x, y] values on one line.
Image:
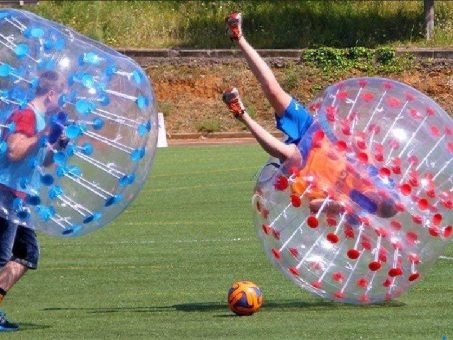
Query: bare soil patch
[[189, 90]]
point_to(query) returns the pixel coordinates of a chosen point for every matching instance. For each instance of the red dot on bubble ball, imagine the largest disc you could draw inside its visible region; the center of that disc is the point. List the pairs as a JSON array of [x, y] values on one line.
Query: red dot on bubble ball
[[396, 225], [448, 231], [294, 252], [395, 272], [374, 266], [396, 170], [379, 157], [266, 229], [363, 157], [411, 236], [353, 254], [315, 265], [434, 231], [417, 219], [276, 234], [294, 271], [331, 237], [281, 183], [346, 130], [367, 96], [364, 298], [384, 172], [294, 170], [337, 276], [316, 284], [387, 283], [414, 258], [414, 276], [339, 295], [312, 222], [318, 136], [276, 253], [448, 204], [397, 245], [341, 145], [382, 255], [362, 82], [296, 201], [362, 282], [405, 189], [331, 222], [437, 218], [423, 204], [382, 232], [400, 207], [361, 144], [410, 96]]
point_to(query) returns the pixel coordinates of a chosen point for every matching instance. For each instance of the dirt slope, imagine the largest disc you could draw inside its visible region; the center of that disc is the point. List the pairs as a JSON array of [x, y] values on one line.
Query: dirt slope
[[189, 91]]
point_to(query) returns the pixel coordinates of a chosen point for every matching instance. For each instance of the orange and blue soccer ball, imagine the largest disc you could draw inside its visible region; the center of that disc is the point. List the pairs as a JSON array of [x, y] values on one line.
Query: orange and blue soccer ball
[[245, 298]]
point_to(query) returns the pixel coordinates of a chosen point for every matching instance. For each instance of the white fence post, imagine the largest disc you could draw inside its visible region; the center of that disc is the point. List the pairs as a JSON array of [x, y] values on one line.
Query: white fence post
[[161, 132]]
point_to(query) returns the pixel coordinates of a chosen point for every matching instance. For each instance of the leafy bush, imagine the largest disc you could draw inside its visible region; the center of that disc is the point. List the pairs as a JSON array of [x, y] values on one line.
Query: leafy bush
[[267, 24]]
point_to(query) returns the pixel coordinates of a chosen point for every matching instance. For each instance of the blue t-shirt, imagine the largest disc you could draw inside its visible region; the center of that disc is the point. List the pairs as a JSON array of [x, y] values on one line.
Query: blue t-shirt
[[294, 122]]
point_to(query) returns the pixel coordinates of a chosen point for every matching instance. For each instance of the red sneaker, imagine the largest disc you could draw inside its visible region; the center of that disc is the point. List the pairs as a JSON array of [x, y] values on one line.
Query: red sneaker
[[234, 23], [231, 99]]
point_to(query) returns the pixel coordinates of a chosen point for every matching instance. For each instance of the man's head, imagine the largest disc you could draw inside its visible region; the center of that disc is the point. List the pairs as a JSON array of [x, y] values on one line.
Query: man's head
[[50, 87]]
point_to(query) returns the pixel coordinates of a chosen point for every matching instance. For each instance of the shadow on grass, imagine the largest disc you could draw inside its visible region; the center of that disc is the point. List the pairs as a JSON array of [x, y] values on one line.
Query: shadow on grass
[[26, 326], [222, 307]]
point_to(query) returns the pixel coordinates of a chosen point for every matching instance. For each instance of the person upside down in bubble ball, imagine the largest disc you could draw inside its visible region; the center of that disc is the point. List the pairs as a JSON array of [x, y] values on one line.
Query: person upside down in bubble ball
[[314, 157], [19, 249]]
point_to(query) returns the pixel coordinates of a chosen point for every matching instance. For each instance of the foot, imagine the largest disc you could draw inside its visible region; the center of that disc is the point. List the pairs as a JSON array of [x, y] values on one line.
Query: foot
[[231, 99], [5, 325], [234, 23]]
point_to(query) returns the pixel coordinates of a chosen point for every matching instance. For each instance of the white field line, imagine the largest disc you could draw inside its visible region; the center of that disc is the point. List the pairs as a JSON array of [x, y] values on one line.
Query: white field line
[[448, 258], [72, 243]]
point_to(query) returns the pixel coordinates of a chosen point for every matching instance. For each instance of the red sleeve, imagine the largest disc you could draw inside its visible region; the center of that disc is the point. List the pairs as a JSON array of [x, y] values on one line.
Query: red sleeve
[[25, 121]]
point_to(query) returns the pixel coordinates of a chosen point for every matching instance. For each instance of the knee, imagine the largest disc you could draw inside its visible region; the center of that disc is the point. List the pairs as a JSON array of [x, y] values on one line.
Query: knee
[[292, 156]]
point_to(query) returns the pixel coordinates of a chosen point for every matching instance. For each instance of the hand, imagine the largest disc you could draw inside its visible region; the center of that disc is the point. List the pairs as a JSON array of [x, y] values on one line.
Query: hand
[[331, 207]]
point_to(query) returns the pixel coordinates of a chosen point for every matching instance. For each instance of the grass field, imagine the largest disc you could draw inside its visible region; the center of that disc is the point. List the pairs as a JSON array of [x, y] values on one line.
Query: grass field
[[163, 268]]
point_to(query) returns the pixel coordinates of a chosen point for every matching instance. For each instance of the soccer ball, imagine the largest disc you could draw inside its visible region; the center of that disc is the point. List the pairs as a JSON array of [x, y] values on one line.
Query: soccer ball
[[245, 298]]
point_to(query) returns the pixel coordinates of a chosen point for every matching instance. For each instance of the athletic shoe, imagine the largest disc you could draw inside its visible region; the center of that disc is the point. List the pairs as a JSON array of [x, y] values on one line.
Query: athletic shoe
[[234, 23], [231, 99], [5, 325]]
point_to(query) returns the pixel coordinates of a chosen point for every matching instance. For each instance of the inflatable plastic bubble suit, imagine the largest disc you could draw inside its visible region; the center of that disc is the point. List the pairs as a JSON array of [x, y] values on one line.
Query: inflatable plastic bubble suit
[[369, 210], [96, 131]]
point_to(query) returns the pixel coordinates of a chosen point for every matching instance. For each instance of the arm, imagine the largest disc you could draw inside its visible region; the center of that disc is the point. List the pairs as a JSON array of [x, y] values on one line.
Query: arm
[[19, 145], [269, 143], [59, 145]]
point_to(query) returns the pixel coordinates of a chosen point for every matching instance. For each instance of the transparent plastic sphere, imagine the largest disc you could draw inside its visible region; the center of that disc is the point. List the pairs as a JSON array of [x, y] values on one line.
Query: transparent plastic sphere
[[96, 131], [369, 209]]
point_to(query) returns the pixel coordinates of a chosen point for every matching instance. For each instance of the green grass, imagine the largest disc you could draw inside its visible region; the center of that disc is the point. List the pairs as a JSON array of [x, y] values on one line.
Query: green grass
[[163, 268], [267, 24]]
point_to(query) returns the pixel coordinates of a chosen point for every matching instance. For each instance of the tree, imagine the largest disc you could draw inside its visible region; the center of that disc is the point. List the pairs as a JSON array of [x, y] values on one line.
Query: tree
[[429, 18]]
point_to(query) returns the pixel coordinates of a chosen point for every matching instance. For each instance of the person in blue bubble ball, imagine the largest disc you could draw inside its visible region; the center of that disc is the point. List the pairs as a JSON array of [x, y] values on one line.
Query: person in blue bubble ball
[[19, 249]]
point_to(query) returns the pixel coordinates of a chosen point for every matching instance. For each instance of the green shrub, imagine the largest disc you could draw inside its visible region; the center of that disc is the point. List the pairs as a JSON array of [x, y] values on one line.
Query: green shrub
[[208, 125], [267, 24]]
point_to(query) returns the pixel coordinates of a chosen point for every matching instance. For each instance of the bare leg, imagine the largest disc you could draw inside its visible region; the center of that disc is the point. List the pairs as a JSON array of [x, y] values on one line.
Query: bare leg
[[273, 146], [10, 274], [278, 98]]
